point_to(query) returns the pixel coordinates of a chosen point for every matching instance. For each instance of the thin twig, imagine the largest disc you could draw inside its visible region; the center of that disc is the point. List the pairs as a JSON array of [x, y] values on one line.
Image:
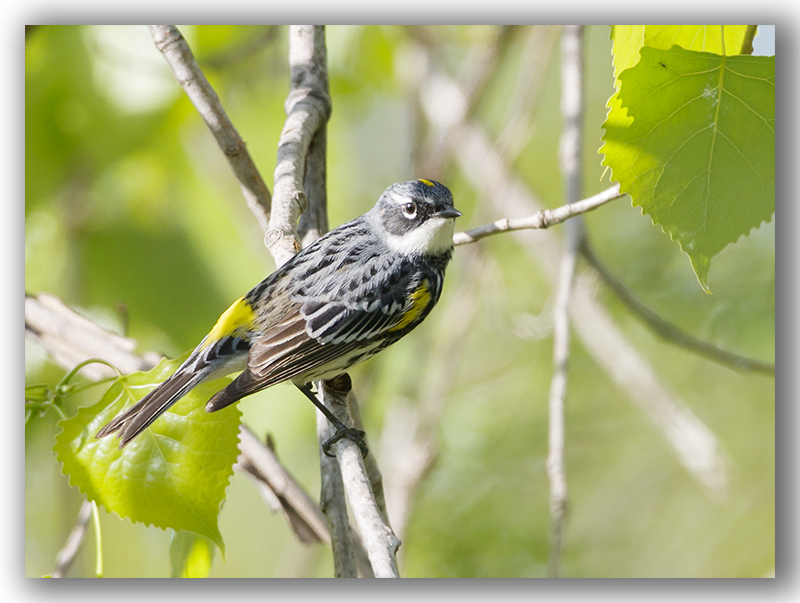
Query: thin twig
[[571, 166], [302, 513], [178, 55], [541, 219], [66, 556], [668, 331]]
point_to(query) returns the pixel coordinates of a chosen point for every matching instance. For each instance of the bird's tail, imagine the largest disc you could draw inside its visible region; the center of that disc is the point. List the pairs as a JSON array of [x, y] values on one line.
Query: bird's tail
[[137, 418]]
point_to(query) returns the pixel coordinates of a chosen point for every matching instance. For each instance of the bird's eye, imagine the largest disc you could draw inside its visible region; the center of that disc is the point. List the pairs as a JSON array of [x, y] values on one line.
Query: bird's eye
[[410, 210]]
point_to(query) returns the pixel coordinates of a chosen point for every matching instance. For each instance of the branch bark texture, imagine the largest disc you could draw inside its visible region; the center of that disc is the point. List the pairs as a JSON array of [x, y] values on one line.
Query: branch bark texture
[[308, 108]]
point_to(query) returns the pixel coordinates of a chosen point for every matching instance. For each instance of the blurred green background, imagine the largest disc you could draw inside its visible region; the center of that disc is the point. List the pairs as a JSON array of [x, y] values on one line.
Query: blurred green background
[[133, 217]]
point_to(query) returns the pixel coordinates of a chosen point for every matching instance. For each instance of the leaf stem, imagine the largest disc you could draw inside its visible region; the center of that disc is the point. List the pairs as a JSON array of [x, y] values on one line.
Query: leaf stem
[[98, 541]]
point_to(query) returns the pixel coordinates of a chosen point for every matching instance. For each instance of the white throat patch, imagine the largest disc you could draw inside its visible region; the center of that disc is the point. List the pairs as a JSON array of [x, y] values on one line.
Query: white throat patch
[[435, 235]]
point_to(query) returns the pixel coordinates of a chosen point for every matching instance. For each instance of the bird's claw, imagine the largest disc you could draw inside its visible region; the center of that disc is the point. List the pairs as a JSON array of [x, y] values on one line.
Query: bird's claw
[[354, 435]]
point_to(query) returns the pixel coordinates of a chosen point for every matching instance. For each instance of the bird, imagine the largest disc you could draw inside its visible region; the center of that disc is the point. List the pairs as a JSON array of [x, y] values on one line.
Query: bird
[[339, 301]]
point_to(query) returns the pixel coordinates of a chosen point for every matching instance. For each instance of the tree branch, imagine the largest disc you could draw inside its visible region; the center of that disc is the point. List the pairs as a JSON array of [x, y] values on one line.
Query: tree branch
[[301, 163], [302, 513], [66, 556], [668, 331], [379, 540], [300, 182], [571, 168], [308, 108], [541, 219], [178, 55]]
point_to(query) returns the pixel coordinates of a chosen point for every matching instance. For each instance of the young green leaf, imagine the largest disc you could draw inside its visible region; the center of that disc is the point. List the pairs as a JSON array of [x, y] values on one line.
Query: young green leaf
[[691, 137], [174, 474]]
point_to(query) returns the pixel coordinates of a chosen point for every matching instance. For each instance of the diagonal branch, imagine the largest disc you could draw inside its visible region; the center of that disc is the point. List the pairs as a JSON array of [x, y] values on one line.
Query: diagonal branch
[[663, 328], [380, 541], [178, 55], [668, 331]]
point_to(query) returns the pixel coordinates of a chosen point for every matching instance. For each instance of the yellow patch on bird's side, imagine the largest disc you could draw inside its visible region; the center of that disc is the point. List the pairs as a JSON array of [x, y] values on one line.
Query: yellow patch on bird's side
[[240, 315], [426, 182], [419, 299]]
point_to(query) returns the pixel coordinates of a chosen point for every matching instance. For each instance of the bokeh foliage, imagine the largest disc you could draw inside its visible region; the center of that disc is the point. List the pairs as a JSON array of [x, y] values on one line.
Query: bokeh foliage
[[133, 217]]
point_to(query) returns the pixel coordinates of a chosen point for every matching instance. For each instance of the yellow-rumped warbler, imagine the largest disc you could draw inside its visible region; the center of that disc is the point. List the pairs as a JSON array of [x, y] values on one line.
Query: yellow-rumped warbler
[[339, 301]]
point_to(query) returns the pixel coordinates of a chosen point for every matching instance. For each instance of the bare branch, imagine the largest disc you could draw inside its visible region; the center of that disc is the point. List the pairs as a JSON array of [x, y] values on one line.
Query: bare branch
[[301, 164], [308, 108], [571, 144], [668, 331], [541, 219], [282, 493], [66, 556], [302, 513], [71, 338], [332, 502], [176, 51], [379, 539]]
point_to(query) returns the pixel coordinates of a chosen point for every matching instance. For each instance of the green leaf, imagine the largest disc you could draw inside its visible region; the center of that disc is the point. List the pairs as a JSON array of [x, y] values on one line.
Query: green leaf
[[691, 137], [190, 555], [629, 39], [707, 38], [174, 474]]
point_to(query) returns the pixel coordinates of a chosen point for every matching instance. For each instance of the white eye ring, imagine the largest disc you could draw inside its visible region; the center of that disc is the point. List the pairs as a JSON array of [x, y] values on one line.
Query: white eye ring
[[409, 210]]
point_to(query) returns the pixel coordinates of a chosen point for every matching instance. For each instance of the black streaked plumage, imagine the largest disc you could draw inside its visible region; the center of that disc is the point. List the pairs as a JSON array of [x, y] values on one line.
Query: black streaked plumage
[[338, 302]]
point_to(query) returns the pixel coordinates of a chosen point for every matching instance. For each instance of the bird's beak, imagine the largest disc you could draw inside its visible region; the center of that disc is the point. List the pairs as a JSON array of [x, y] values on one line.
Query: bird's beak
[[448, 212]]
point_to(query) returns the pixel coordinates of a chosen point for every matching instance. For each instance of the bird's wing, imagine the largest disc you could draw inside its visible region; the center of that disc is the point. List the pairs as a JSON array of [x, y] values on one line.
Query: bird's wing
[[330, 320]]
